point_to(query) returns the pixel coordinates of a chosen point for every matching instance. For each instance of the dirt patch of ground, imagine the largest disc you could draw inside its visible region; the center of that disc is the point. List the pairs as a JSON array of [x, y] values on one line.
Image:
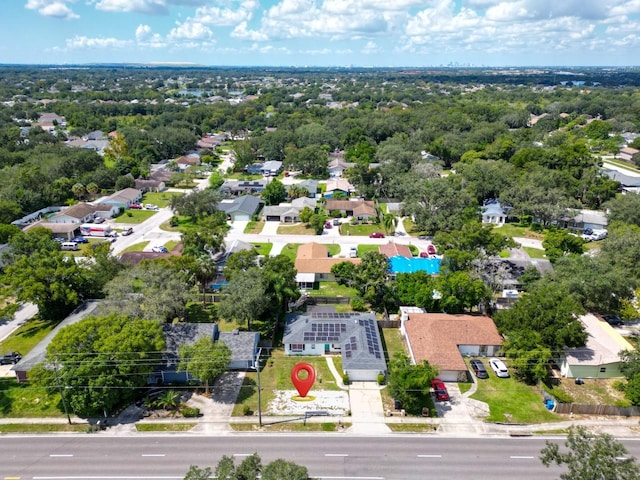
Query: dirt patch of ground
[[284, 403], [595, 391]]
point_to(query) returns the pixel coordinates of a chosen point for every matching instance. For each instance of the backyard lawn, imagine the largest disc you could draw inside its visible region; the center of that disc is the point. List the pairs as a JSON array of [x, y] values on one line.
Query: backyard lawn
[[332, 289], [514, 230], [534, 252]]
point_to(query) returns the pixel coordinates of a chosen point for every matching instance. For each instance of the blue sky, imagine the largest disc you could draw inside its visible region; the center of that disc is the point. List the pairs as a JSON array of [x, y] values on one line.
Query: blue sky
[[322, 32]]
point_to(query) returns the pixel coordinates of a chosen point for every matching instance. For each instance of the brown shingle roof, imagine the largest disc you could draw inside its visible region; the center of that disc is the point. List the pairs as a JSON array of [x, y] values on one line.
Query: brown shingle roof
[[360, 207], [79, 210], [313, 258], [435, 337], [392, 249]]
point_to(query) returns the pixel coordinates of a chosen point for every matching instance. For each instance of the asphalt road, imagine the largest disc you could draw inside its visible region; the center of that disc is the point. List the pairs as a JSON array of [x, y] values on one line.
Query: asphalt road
[[334, 456]]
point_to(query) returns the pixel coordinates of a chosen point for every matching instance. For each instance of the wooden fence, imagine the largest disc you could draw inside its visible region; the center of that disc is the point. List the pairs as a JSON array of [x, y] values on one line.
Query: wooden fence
[[580, 409]]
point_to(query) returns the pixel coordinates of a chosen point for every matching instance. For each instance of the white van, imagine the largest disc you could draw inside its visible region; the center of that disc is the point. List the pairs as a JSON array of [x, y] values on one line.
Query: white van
[[69, 246]]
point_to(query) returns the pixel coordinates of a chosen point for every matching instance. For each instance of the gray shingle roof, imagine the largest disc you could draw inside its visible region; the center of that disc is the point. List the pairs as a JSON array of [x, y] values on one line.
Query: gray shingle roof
[[244, 204], [357, 333]]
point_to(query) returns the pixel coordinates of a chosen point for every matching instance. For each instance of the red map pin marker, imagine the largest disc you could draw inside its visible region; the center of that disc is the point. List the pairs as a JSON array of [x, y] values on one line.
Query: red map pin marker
[[303, 385]]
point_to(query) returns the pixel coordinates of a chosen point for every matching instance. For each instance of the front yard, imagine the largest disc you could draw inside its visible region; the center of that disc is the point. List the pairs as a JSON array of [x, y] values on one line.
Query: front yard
[[512, 401], [276, 375], [134, 217], [161, 199]]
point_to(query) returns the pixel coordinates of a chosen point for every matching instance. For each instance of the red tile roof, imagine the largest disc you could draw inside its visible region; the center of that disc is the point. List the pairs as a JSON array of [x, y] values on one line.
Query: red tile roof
[[435, 337]]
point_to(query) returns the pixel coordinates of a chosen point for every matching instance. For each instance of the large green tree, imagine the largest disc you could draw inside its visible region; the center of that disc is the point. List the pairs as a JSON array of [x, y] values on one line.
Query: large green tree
[[274, 193], [245, 298], [591, 456], [100, 363], [48, 279], [204, 360], [408, 383]]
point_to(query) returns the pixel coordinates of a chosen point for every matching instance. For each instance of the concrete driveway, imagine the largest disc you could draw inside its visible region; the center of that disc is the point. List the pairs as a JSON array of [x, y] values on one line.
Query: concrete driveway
[[460, 415]]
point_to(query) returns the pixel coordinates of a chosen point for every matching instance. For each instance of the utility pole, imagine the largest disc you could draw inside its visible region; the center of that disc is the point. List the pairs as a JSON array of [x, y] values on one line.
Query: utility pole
[[257, 367], [61, 389]]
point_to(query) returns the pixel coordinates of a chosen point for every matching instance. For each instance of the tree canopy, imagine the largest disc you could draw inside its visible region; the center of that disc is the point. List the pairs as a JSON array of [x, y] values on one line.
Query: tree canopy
[[100, 363]]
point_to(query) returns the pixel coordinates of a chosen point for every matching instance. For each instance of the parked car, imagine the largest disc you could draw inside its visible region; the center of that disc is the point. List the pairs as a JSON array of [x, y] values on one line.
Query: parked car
[[127, 231], [151, 206], [10, 358], [135, 206], [424, 255], [431, 250], [478, 369], [159, 249], [353, 252], [376, 235], [336, 222], [613, 320], [79, 240], [327, 225], [439, 390], [499, 368], [99, 220]]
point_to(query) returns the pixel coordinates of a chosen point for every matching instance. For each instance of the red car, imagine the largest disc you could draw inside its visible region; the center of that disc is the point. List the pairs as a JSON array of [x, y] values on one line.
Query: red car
[[424, 255], [376, 235], [440, 390], [135, 206], [431, 250]]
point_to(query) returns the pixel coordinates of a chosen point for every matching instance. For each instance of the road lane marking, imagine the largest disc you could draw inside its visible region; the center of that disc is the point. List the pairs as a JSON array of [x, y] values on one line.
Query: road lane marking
[[520, 457], [242, 454], [429, 456], [336, 454], [60, 455], [153, 455]]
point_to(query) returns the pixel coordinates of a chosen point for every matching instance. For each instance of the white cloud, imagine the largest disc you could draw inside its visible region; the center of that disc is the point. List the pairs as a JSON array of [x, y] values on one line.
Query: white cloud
[[370, 48], [52, 8], [241, 31], [190, 30], [154, 7], [227, 16], [146, 38], [78, 42]]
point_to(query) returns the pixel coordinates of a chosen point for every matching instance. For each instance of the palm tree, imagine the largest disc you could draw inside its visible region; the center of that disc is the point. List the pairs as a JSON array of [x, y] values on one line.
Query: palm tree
[[389, 221], [93, 188], [78, 190], [204, 270]]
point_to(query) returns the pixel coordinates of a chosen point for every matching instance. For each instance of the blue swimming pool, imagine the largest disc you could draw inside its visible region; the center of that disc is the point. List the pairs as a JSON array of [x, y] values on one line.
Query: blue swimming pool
[[415, 264]]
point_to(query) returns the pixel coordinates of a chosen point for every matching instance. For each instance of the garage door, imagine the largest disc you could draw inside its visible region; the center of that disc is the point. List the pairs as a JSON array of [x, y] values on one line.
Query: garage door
[[242, 217], [273, 218]]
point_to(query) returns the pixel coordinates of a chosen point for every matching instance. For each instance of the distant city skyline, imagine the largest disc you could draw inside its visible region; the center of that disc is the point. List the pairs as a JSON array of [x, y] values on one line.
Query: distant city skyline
[[359, 33]]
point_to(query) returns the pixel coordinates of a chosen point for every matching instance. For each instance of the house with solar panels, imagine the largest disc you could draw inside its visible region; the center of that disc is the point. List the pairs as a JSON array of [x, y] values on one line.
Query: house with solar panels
[[355, 336]]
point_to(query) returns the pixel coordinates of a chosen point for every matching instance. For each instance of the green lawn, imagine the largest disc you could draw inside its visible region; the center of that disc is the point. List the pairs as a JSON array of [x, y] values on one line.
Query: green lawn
[[171, 244], [332, 289], [290, 250], [161, 199], [254, 227], [263, 248], [514, 230], [27, 336], [362, 249], [512, 401], [362, 230], [136, 247], [19, 400], [393, 342], [333, 250], [534, 252], [134, 216], [296, 229]]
